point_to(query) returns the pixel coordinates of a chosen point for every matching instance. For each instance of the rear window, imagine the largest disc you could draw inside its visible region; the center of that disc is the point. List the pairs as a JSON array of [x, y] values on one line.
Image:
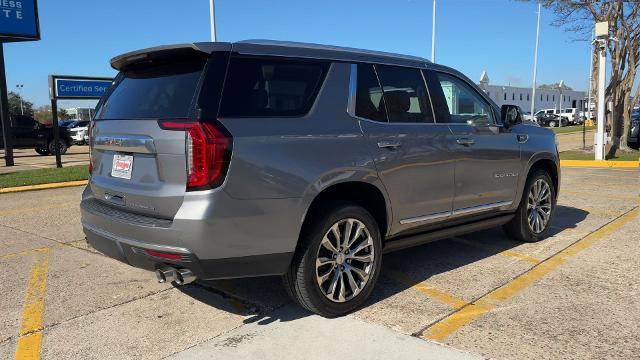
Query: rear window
[[257, 87], [153, 92]]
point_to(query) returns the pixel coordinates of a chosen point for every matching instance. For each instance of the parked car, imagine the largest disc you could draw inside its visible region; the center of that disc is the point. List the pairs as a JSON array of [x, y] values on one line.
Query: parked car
[[550, 120], [78, 132], [29, 133], [633, 137], [526, 116], [226, 160], [571, 114]]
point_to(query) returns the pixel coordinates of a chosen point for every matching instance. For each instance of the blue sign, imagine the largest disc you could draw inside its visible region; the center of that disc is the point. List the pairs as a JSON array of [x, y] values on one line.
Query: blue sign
[[19, 20], [80, 88]]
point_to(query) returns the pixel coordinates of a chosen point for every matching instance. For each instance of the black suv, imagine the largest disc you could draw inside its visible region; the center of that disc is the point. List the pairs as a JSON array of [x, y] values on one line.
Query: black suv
[[29, 133]]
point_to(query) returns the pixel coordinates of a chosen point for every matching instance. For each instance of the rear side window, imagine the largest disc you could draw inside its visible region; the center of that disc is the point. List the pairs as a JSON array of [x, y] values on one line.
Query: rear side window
[[257, 87], [153, 92], [369, 103], [405, 94]]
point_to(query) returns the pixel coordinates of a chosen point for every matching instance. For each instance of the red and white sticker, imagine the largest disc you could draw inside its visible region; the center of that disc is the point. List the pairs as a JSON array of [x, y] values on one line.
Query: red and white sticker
[[122, 166]]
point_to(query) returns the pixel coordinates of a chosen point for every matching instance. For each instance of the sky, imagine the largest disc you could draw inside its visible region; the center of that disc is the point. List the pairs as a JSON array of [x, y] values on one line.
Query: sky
[[79, 37]]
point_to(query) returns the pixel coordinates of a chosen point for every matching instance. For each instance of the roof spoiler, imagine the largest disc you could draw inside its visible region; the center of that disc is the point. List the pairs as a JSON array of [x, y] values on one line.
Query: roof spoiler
[[125, 61]]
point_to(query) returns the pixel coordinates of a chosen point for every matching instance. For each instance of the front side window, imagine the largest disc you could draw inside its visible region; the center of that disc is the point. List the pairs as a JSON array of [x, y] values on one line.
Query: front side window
[[405, 94], [464, 104], [369, 103], [257, 87]]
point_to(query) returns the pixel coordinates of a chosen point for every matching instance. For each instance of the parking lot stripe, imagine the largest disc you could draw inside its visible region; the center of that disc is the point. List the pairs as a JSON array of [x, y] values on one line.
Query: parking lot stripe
[[507, 253], [465, 315], [30, 336], [433, 293], [43, 186]]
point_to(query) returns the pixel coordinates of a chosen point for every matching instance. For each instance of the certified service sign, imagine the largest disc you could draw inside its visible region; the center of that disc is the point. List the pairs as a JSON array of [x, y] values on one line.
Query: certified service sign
[[19, 20]]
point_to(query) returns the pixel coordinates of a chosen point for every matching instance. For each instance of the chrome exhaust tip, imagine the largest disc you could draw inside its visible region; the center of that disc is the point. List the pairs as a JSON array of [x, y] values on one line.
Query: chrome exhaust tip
[[184, 276], [166, 274]]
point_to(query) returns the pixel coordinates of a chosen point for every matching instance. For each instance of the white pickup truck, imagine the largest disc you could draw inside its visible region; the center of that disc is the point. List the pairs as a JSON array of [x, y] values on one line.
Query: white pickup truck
[[571, 114]]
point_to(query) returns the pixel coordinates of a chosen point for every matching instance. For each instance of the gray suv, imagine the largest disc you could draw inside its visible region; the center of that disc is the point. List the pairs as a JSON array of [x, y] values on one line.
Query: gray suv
[[227, 160]]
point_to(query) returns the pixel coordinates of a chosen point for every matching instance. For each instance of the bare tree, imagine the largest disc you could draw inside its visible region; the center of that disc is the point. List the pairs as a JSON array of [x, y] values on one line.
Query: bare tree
[[579, 17]]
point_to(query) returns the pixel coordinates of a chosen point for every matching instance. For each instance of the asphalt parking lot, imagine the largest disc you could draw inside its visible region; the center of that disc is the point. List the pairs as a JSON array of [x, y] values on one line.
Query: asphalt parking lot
[[572, 296]]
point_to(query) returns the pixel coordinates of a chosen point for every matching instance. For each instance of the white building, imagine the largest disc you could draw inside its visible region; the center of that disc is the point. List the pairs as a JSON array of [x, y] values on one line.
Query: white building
[[521, 96]]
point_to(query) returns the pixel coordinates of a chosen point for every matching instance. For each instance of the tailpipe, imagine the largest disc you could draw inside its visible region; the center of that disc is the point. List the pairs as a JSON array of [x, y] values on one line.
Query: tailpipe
[[166, 274], [184, 276]]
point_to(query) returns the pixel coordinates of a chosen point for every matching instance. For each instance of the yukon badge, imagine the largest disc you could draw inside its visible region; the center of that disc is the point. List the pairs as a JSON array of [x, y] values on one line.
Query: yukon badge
[[505, 174]]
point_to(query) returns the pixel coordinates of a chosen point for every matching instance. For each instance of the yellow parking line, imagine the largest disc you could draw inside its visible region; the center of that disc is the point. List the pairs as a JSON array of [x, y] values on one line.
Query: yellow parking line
[[599, 163], [30, 340], [507, 253], [449, 325], [36, 209], [43, 186], [425, 289]]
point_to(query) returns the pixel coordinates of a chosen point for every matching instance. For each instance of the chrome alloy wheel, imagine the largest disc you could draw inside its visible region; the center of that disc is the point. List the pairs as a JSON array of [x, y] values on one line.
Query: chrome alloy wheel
[[539, 206], [344, 261]]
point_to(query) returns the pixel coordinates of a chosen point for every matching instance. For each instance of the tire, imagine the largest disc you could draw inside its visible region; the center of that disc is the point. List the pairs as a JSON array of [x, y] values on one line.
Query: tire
[[42, 151], [519, 227], [552, 123], [62, 145], [304, 281]]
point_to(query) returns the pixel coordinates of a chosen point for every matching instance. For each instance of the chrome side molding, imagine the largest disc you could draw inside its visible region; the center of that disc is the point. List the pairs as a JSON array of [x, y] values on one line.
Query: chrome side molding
[[463, 211]]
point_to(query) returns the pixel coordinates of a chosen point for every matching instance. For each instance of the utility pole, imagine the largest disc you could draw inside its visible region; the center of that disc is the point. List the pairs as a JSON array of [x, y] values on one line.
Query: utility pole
[[19, 89], [535, 64], [212, 19], [433, 34], [588, 112], [602, 35], [560, 85]]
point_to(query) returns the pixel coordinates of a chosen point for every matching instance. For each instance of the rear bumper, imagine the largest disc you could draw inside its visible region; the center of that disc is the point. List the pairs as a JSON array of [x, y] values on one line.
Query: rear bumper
[[133, 253], [213, 244]]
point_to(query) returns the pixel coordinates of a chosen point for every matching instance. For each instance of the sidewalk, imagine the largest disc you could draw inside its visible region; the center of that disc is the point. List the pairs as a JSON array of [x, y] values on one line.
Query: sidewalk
[[291, 333]]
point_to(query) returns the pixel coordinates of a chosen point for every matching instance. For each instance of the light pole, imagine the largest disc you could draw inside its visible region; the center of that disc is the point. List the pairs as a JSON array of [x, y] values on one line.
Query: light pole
[[19, 89], [535, 63], [560, 86], [602, 37], [212, 19], [433, 34]]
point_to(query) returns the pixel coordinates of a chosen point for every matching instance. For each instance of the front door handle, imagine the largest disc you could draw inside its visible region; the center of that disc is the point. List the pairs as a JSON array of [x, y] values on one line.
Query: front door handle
[[465, 141], [389, 144]]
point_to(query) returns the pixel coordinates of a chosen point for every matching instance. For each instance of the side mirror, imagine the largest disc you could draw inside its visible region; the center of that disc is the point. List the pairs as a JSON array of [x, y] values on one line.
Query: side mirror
[[511, 115]]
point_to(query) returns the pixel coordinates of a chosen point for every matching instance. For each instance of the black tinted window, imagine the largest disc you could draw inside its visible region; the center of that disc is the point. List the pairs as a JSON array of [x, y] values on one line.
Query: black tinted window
[[153, 92], [270, 88], [405, 94], [369, 104]]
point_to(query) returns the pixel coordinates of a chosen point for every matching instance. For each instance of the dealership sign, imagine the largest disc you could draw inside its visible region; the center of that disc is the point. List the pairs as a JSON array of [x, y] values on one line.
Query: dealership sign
[[77, 87], [19, 20]]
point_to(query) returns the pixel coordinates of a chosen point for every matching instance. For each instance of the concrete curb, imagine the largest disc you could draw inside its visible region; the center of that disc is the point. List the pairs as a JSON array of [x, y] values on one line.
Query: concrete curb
[[600, 163], [43, 186]]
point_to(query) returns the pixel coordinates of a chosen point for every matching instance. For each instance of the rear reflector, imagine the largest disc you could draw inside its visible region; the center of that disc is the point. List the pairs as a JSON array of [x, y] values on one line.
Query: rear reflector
[[163, 255], [207, 148]]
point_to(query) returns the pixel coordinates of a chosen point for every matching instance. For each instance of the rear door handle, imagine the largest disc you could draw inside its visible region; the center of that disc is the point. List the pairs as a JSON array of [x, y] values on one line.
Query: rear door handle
[[465, 141], [389, 144]]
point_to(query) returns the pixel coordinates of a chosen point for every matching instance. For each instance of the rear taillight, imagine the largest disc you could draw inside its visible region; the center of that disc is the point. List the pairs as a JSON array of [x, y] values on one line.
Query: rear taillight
[[90, 131], [207, 152]]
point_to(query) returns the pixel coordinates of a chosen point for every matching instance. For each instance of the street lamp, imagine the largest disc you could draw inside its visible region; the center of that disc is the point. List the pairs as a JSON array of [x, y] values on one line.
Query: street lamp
[[212, 19], [560, 86], [19, 88]]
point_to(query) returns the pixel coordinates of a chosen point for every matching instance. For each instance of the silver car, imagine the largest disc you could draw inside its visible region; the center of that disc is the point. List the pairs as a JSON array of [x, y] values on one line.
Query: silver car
[[226, 160]]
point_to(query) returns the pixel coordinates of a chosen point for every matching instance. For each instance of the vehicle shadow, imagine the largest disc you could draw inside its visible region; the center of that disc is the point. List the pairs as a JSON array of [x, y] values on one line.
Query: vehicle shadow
[[260, 296]]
